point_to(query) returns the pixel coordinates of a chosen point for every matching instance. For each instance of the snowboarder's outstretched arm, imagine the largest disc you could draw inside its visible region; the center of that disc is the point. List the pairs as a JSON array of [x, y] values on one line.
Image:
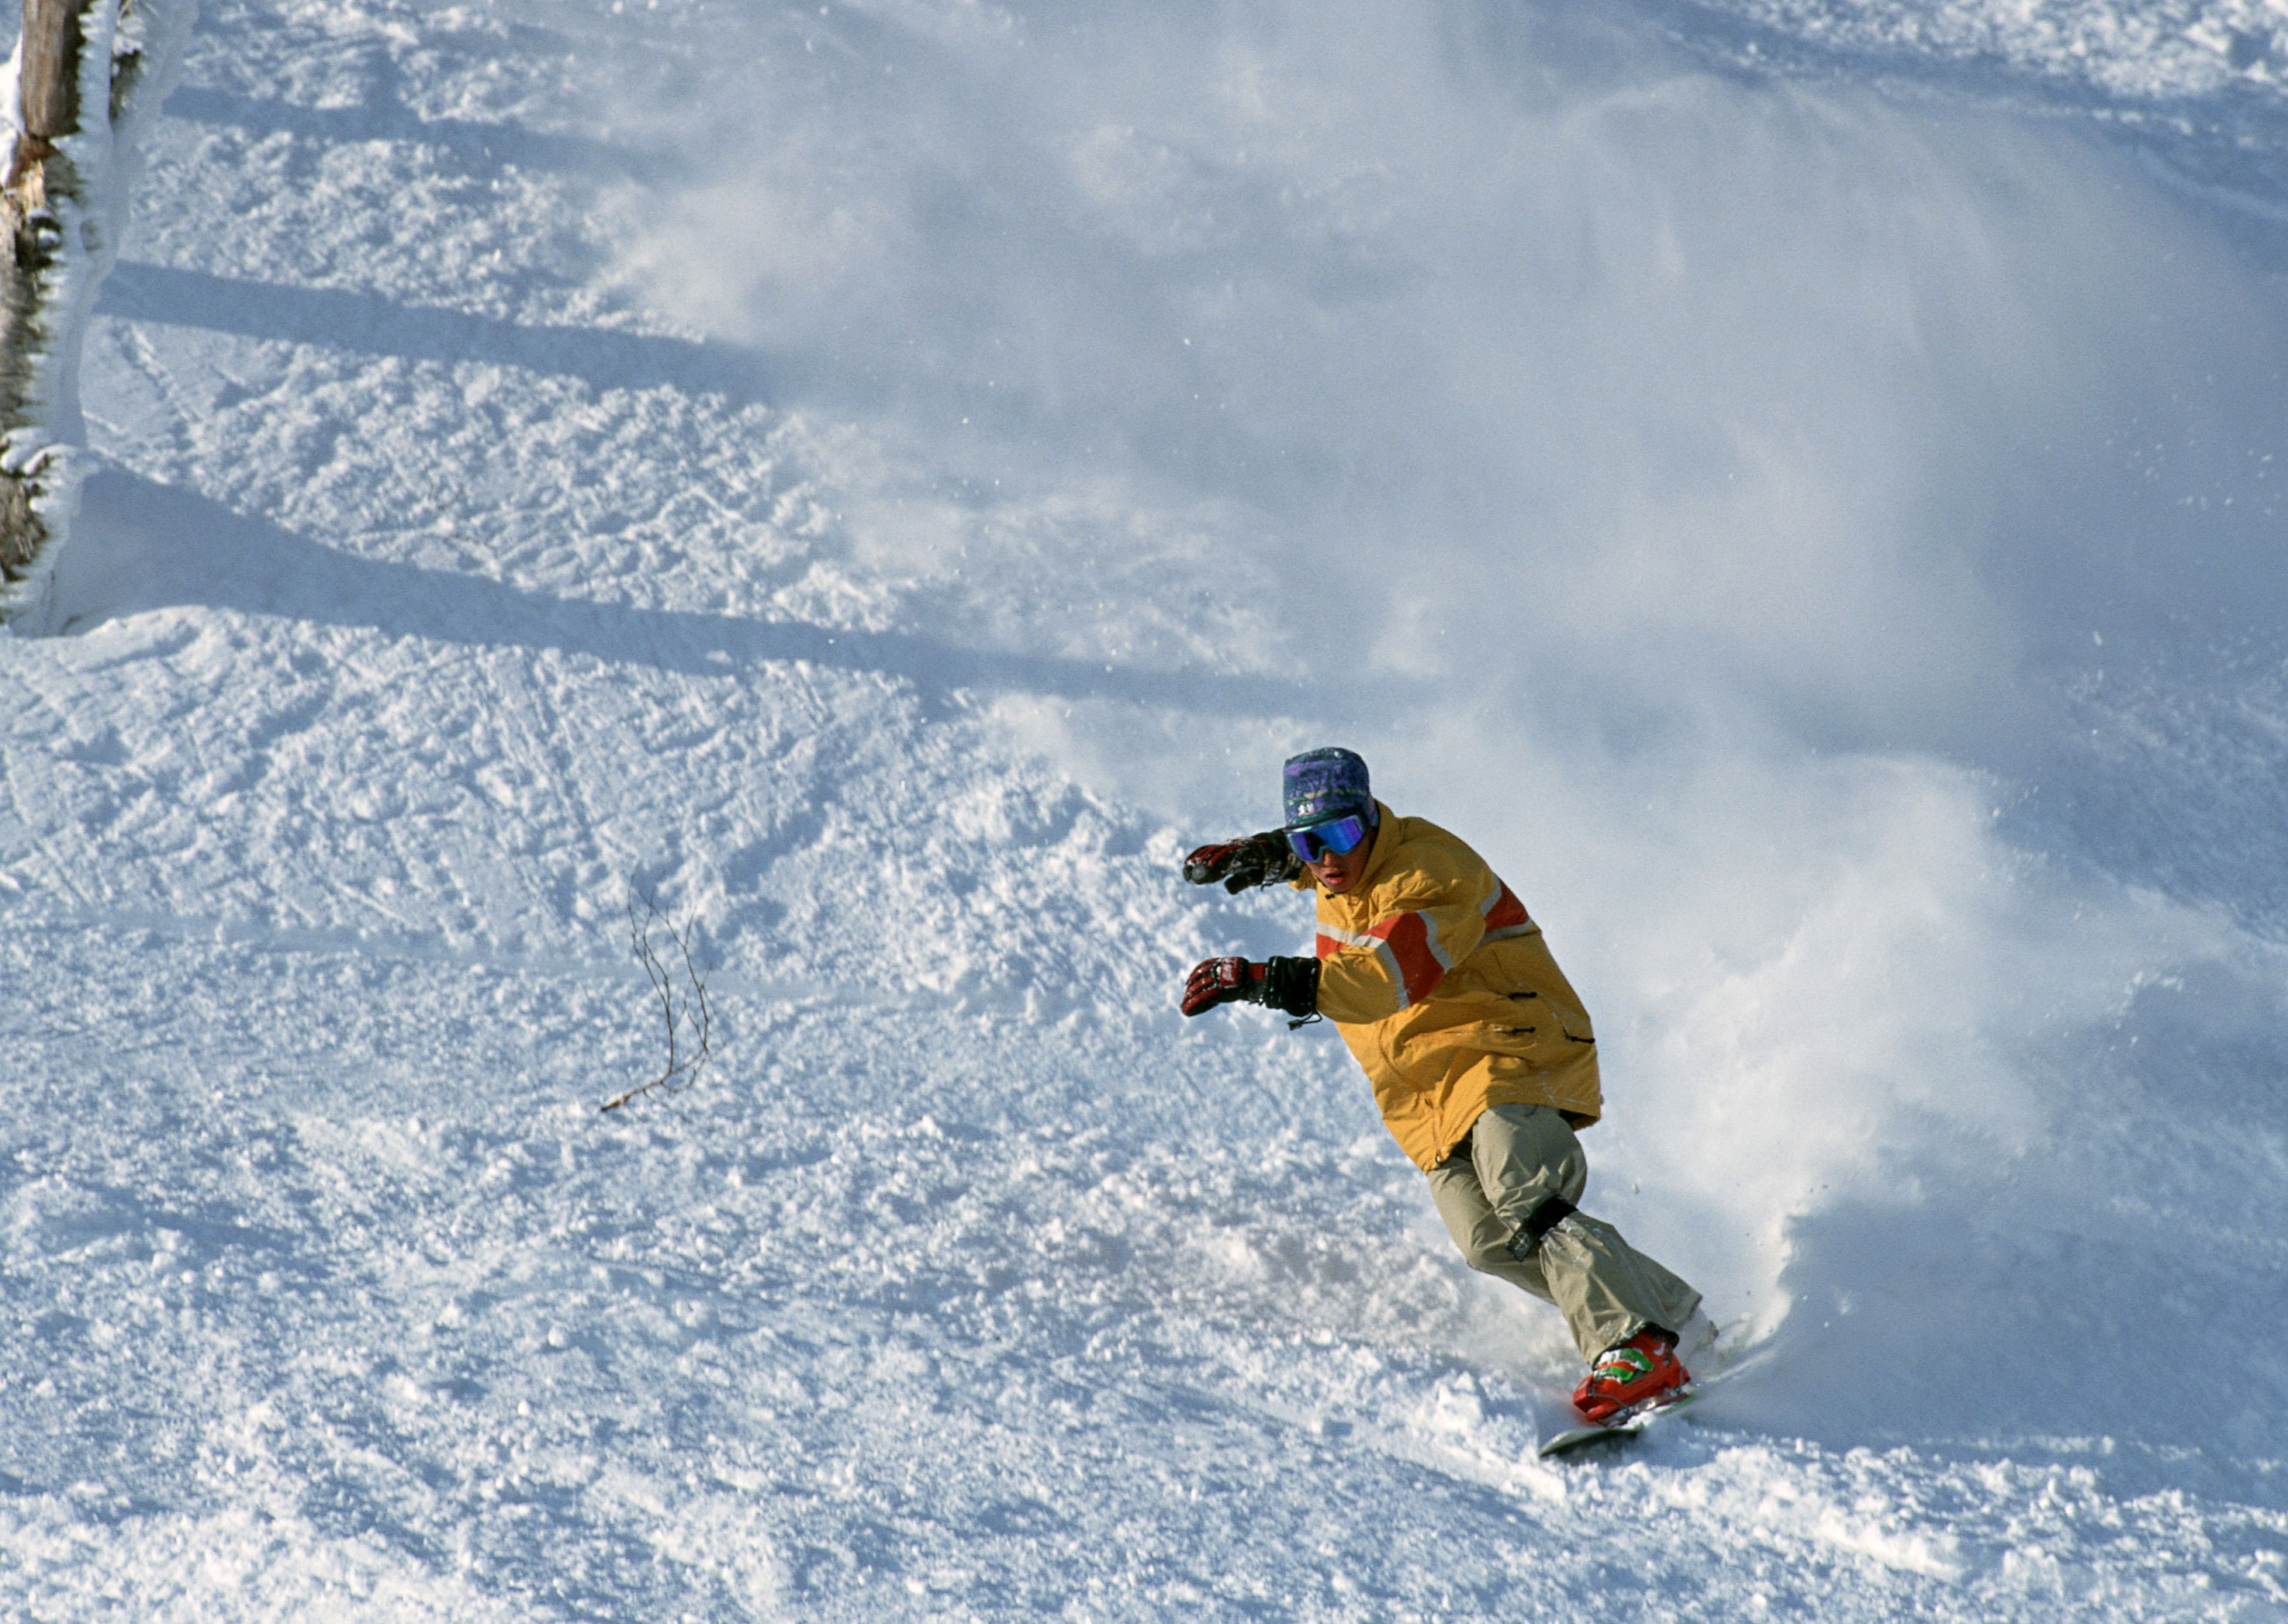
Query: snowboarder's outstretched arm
[[1290, 985], [1259, 860]]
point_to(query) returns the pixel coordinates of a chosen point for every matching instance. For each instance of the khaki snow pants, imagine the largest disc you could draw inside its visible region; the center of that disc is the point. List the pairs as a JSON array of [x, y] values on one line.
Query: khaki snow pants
[[1515, 1158]]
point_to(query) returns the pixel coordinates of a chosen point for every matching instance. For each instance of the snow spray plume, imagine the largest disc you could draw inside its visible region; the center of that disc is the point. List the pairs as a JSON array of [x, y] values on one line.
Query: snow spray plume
[[1693, 488]]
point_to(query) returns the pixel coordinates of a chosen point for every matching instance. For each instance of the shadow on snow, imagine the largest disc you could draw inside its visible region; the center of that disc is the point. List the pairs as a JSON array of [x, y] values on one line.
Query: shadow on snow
[[141, 545]]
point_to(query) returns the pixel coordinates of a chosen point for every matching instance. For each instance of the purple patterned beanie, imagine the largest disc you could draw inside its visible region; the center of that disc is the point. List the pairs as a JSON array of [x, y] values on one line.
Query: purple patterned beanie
[[1327, 783]]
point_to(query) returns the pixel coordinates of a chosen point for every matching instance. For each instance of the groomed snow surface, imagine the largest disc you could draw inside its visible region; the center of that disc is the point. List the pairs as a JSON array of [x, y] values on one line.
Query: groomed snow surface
[[885, 477]]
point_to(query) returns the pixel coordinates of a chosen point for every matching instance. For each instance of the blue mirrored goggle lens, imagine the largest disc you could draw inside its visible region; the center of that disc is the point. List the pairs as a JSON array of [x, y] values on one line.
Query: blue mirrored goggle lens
[[1336, 835]]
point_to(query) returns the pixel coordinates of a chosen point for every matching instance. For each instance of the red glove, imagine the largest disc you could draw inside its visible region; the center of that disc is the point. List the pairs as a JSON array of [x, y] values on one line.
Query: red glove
[[1214, 981], [1291, 985], [1259, 860]]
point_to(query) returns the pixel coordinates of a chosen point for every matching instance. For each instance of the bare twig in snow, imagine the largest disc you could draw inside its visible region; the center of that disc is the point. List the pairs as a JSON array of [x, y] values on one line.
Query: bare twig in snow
[[682, 1003]]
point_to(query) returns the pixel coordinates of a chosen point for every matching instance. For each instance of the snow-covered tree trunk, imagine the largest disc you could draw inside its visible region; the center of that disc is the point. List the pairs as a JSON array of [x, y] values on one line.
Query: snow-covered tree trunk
[[85, 84]]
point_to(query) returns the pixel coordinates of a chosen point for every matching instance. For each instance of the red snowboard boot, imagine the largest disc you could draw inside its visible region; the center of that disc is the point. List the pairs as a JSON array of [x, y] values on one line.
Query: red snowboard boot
[[1642, 1370]]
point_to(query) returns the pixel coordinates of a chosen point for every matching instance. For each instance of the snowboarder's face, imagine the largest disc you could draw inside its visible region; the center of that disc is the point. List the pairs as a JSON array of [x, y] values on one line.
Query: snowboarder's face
[[1337, 872]]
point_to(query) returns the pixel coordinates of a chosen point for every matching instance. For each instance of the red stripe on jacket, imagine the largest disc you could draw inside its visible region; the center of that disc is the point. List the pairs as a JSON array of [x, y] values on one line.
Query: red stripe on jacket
[[1505, 915], [1419, 967]]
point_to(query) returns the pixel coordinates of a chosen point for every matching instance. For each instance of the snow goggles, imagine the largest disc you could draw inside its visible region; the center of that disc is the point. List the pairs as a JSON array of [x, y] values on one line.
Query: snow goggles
[[1334, 835]]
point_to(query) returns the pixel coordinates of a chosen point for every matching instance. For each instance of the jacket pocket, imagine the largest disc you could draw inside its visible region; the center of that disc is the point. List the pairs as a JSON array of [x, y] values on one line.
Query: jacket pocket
[[1573, 1022], [1551, 1019]]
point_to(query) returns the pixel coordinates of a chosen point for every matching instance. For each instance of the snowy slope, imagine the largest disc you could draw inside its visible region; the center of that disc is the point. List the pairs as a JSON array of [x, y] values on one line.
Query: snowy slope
[[1795, 484]]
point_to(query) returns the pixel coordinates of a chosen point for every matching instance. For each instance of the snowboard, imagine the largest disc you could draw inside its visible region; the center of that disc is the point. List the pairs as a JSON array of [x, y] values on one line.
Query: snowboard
[[1719, 1354], [1616, 1430]]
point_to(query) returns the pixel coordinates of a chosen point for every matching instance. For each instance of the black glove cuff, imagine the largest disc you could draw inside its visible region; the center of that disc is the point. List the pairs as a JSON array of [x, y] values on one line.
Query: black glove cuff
[[1290, 986]]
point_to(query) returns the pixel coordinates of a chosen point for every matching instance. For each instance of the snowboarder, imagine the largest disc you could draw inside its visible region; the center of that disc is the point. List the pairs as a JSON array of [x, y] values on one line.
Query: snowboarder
[[1482, 1060]]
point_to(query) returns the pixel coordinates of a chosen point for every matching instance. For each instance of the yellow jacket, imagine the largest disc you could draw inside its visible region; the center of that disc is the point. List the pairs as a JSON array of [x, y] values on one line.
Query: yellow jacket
[[1445, 991]]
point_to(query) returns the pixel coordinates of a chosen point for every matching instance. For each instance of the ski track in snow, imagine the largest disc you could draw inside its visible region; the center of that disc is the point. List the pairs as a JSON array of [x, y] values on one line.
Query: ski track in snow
[[431, 592]]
